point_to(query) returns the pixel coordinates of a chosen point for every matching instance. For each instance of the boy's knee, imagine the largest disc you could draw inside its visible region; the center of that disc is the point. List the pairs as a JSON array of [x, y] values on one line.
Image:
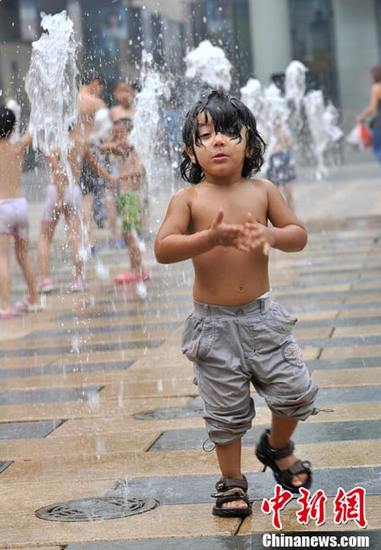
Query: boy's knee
[[225, 428], [299, 405]]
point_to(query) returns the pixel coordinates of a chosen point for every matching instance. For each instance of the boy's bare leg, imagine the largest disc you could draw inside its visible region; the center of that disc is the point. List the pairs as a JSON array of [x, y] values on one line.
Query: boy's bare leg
[[87, 206], [5, 280], [281, 431], [134, 252], [44, 242], [229, 459], [74, 224], [23, 258], [112, 216]]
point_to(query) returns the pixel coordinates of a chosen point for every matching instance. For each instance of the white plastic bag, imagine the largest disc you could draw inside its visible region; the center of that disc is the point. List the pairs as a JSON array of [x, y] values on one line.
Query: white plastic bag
[[354, 137]]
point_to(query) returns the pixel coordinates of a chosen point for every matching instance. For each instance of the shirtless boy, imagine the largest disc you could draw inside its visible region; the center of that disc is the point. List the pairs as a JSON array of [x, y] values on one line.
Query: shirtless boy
[[237, 334], [65, 198], [14, 221], [129, 201]]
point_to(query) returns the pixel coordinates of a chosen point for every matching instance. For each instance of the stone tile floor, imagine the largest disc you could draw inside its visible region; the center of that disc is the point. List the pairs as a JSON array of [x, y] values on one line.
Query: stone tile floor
[[97, 400]]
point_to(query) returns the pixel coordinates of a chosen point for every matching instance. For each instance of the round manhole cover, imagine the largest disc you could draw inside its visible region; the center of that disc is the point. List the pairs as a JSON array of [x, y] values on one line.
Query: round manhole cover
[[96, 509]]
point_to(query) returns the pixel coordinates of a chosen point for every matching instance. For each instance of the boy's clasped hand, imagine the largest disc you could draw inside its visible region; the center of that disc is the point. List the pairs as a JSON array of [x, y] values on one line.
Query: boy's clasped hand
[[246, 237]]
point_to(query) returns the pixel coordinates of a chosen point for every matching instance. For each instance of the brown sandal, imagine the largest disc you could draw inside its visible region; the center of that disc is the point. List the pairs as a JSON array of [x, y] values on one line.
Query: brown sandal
[[228, 490]]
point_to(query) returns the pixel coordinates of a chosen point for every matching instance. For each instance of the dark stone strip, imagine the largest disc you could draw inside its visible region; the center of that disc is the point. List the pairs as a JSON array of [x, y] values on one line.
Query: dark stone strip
[[58, 350], [51, 395], [181, 309], [296, 307], [194, 407], [240, 542], [177, 440], [342, 342], [28, 430], [351, 362], [196, 489], [64, 368], [106, 329], [4, 466], [363, 269], [341, 322]]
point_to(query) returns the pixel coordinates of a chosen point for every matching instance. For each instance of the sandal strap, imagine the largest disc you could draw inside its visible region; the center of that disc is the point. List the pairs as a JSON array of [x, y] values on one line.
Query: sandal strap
[[300, 467], [227, 483], [277, 454], [231, 498]]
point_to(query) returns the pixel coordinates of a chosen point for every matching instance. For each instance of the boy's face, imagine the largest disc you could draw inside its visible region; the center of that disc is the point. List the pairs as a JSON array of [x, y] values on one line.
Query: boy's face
[[218, 154]]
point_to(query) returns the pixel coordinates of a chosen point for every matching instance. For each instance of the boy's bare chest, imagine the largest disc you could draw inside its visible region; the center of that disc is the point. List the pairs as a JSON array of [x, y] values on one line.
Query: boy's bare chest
[[234, 205]]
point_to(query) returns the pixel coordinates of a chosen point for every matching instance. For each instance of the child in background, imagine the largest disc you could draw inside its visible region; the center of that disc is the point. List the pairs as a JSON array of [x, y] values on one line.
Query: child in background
[[65, 198], [281, 167], [14, 221], [129, 202], [237, 335]]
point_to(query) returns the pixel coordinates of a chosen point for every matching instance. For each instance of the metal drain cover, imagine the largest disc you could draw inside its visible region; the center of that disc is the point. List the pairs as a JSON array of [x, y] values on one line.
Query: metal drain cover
[[96, 509]]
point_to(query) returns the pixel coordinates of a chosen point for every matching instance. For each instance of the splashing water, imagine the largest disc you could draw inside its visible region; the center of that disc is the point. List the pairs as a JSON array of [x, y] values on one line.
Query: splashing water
[[311, 125], [295, 83], [208, 64], [144, 136], [51, 84]]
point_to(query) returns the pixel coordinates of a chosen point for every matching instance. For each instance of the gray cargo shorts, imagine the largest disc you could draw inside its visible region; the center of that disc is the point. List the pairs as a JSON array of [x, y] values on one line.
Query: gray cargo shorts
[[233, 346]]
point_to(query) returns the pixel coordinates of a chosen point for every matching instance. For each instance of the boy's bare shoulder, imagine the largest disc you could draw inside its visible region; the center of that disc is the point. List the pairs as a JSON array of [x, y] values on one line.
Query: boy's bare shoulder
[[263, 184], [185, 194]]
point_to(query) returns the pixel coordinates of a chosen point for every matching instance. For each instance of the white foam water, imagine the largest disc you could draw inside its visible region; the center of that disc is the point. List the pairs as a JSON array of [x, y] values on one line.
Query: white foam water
[[322, 122], [311, 125], [51, 84], [208, 64], [295, 82], [144, 135]]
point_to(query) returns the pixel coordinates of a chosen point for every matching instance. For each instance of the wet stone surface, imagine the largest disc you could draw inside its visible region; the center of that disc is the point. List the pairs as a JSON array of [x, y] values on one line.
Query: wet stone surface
[[175, 440], [350, 363], [195, 489], [4, 466], [245, 542], [56, 333], [66, 368], [60, 350], [28, 430], [325, 396]]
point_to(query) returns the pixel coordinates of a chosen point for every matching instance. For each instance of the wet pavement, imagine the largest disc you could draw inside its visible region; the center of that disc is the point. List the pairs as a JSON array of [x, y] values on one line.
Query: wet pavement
[[97, 401]]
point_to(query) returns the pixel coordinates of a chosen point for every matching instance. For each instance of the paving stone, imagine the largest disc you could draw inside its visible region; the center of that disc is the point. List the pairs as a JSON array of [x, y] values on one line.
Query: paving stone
[[170, 490], [28, 430], [325, 396], [127, 312], [65, 368], [306, 433], [53, 395], [240, 542], [104, 329], [4, 466], [138, 344], [350, 362]]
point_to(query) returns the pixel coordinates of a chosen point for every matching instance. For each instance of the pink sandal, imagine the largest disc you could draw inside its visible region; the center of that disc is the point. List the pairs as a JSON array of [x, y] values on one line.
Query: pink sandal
[[128, 277], [8, 314]]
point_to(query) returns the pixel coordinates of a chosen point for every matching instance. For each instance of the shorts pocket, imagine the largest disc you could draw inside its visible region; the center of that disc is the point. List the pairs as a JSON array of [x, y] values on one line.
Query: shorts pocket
[[279, 319], [197, 338]]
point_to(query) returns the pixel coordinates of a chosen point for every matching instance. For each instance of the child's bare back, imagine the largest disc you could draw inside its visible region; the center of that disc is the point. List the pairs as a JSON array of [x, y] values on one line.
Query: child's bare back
[[11, 160]]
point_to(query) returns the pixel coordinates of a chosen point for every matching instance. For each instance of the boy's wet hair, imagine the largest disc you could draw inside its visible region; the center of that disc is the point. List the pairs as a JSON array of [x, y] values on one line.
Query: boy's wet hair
[[228, 115], [7, 122]]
